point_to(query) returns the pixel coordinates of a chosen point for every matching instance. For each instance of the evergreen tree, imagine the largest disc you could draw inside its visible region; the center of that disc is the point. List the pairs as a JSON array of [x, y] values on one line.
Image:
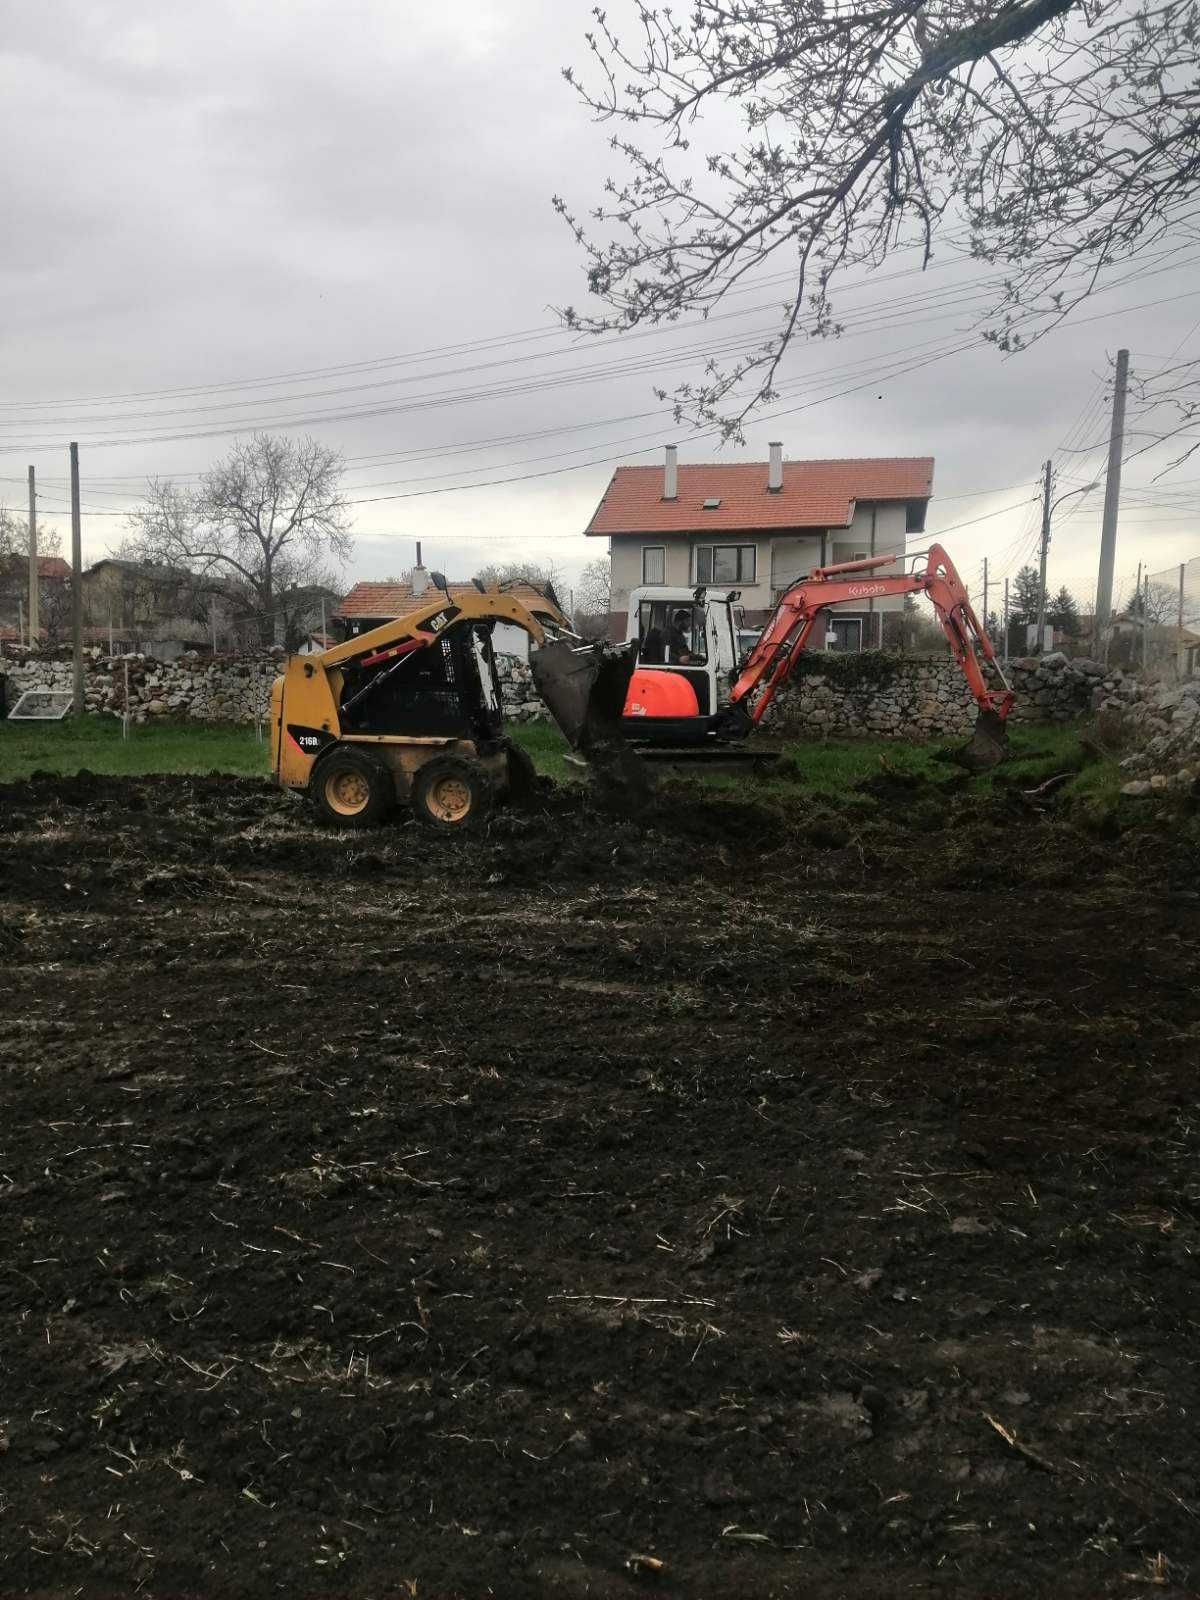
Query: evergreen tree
[[1063, 612], [1027, 592]]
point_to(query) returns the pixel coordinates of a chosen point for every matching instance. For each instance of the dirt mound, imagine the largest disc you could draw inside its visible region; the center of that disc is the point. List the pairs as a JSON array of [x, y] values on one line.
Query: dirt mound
[[801, 1198]]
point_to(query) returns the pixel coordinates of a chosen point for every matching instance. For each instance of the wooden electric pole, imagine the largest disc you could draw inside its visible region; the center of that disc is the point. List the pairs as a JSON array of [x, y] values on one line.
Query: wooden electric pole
[[1112, 501], [1047, 484], [1182, 653], [34, 620], [1006, 619], [76, 586]]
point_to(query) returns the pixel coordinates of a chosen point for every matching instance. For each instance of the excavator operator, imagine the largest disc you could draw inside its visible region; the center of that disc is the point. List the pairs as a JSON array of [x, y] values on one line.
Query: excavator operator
[[679, 649]]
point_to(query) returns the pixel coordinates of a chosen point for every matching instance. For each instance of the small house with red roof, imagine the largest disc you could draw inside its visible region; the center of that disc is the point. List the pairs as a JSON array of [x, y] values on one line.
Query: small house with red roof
[[755, 526], [370, 604]]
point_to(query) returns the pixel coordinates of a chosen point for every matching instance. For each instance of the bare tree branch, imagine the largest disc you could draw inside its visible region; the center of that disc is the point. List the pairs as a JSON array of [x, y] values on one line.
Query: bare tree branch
[[1053, 138]]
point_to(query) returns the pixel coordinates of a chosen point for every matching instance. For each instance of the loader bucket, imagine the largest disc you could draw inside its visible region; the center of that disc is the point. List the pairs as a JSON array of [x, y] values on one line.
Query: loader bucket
[[584, 690], [988, 745]]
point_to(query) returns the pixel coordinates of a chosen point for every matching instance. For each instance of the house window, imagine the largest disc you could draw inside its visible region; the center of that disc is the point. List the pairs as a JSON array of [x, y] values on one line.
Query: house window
[[654, 564], [726, 563]]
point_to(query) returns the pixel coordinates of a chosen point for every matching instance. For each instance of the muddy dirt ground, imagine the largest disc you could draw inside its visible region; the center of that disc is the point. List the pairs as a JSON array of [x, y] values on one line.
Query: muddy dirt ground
[[805, 1201]]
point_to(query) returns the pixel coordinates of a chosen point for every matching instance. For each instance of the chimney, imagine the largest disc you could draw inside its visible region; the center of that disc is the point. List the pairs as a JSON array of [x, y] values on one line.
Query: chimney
[[775, 468], [671, 474], [420, 578]]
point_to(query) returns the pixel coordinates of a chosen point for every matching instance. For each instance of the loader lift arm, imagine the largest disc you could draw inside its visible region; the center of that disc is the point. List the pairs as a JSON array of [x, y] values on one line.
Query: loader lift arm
[[790, 625]]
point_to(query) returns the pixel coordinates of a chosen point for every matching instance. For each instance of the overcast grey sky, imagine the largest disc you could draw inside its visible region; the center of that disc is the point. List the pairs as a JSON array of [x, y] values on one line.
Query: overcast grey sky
[[210, 194]]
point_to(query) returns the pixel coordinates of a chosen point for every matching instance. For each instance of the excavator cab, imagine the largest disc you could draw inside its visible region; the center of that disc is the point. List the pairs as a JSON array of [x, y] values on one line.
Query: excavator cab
[[686, 647]]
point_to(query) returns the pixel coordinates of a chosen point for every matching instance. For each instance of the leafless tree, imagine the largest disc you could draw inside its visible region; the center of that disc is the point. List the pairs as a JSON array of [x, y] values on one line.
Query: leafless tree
[[536, 572], [271, 516], [1053, 138], [593, 592], [1157, 601]]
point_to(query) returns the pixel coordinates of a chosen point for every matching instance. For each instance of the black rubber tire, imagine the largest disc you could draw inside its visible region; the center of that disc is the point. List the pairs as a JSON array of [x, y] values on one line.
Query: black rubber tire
[[354, 769], [444, 784], [524, 785]]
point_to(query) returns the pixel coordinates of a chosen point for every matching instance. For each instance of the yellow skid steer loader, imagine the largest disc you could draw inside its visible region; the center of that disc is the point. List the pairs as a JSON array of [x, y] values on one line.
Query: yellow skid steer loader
[[410, 713]]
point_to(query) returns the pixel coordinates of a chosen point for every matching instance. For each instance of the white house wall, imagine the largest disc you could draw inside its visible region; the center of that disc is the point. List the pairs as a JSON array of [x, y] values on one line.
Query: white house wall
[[780, 557]]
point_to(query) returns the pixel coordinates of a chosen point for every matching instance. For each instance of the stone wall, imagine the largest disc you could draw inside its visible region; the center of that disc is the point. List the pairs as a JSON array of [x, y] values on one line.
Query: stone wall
[[919, 697], [522, 703], [1163, 722], [836, 696], [207, 688]]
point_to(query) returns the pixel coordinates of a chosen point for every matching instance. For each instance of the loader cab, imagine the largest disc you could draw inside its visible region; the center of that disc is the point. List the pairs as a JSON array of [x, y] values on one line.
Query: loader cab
[[687, 649], [450, 689]]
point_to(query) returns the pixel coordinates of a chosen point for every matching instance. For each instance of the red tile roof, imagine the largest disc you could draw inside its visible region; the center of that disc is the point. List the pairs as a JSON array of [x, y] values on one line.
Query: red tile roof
[[48, 566], [815, 494], [393, 599]]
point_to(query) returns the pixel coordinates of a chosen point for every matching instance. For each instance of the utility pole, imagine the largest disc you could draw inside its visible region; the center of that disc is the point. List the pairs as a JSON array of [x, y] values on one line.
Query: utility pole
[[35, 625], [1112, 501], [1140, 601], [20, 620], [1006, 619], [110, 633], [324, 628], [1180, 658], [1047, 484], [76, 586], [1145, 612], [212, 618]]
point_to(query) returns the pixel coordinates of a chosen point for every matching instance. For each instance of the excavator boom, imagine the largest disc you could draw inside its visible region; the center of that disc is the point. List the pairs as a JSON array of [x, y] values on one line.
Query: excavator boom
[[790, 625]]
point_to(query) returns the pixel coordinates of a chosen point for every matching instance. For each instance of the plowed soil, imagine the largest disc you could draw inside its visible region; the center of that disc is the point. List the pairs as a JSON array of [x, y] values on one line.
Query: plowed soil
[[806, 1202]]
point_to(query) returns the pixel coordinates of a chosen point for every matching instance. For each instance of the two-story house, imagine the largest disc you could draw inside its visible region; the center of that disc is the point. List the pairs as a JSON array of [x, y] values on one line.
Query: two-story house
[[757, 525]]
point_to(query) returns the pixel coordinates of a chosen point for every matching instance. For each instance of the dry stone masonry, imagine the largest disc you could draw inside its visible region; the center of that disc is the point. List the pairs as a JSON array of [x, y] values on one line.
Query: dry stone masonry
[[210, 689], [1163, 722], [830, 696], [206, 688], [880, 696]]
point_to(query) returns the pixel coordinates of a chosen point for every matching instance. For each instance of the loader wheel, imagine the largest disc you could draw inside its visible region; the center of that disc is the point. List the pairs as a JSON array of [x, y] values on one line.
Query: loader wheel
[[451, 792], [523, 783], [352, 789]]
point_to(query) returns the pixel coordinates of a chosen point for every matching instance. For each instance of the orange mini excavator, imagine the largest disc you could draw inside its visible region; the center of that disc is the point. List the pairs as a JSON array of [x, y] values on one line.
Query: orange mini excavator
[[694, 689]]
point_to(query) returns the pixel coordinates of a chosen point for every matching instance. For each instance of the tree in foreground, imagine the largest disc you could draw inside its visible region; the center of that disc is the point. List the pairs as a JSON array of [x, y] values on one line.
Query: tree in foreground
[[269, 521], [1052, 139]]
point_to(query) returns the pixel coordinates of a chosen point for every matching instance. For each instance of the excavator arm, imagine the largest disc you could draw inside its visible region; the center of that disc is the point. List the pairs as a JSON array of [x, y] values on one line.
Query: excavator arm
[[789, 628]]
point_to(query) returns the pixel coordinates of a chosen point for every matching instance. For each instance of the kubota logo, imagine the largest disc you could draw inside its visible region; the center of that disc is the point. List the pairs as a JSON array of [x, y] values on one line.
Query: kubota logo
[[860, 589]]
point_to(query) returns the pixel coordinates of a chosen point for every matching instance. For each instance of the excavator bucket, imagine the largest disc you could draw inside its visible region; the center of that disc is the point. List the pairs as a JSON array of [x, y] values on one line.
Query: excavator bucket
[[988, 745], [584, 688]]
